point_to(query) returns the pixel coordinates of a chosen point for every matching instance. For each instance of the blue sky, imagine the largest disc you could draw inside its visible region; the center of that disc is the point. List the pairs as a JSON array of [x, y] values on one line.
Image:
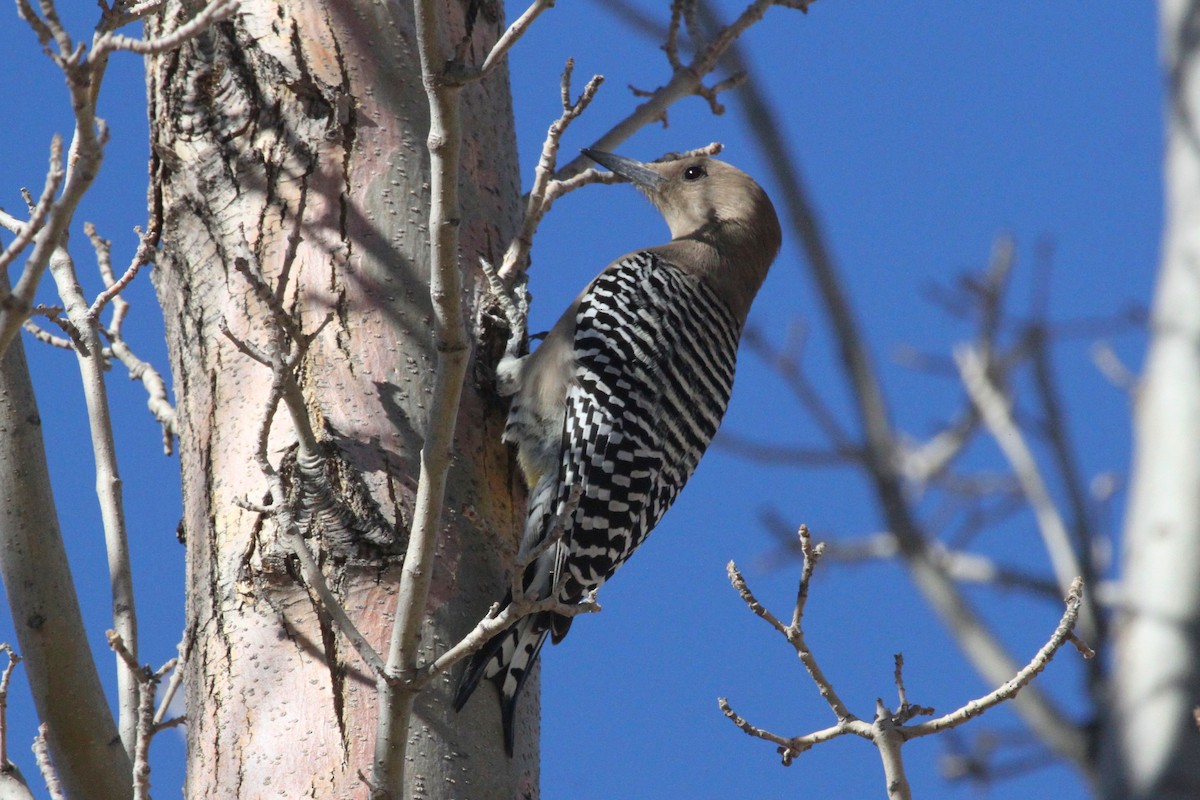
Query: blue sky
[[924, 130]]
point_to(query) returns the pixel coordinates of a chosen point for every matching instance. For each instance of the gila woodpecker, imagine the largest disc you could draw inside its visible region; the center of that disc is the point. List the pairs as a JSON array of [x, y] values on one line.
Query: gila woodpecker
[[625, 393]]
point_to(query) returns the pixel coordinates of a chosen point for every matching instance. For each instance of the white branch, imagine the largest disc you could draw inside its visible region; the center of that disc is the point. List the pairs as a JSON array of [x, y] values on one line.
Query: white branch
[[450, 341], [997, 415]]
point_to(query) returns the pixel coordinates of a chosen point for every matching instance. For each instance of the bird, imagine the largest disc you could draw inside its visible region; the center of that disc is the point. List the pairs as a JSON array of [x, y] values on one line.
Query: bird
[[612, 412]]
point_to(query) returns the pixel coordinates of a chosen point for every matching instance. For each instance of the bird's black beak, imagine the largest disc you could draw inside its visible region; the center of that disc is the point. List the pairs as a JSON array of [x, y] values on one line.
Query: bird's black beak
[[633, 171]]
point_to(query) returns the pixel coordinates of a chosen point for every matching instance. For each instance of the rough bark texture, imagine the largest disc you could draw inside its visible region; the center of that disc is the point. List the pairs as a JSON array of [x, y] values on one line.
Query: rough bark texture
[[308, 120], [1153, 745]]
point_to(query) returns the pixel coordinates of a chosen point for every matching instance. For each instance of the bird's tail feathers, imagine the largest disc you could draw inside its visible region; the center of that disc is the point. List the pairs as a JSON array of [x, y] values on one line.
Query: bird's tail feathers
[[506, 661]]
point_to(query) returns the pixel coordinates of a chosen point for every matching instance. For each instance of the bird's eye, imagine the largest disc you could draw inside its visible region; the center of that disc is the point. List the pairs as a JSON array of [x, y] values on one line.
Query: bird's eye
[[694, 172]]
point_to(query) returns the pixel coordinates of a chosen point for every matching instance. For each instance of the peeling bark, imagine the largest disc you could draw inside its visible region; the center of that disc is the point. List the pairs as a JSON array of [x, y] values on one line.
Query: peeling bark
[[297, 130]]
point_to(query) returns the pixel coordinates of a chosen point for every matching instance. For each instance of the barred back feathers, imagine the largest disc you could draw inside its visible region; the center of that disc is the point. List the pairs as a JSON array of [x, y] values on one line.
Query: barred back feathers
[[625, 394]]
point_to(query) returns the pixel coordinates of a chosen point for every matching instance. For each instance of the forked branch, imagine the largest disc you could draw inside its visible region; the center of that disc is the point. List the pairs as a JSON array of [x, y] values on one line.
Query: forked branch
[[888, 730]]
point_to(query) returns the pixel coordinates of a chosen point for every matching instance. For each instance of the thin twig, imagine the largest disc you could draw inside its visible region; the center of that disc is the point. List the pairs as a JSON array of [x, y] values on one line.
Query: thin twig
[[1062, 634], [794, 632], [888, 731], [168, 695], [1113, 368], [113, 285], [26, 231], [789, 366], [5, 678], [490, 626], [214, 12], [997, 415], [510, 37], [283, 386], [771, 453], [686, 80], [881, 457], [1055, 430], [41, 752], [45, 337], [545, 190], [109, 493], [157, 399]]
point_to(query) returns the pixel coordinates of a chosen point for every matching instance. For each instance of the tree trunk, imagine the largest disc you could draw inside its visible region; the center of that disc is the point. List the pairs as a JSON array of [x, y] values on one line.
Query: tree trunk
[[294, 136], [1153, 748]]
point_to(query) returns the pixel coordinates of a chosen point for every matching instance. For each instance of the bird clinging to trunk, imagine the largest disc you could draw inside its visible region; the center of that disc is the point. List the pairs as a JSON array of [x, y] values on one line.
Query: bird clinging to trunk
[[616, 406]]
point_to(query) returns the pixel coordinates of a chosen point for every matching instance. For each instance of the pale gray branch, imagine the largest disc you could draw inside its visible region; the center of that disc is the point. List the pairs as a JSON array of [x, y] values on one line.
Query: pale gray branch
[[995, 410], [5, 678], [450, 342], [889, 730], [26, 231], [215, 11], [90, 359], [41, 751], [686, 80], [882, 455], [546, 190], [515, 31], [287, 346], [1062, 634]]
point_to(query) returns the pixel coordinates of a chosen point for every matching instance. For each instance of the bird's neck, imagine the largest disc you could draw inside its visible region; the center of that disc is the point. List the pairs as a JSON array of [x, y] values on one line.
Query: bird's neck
[[733, 265]]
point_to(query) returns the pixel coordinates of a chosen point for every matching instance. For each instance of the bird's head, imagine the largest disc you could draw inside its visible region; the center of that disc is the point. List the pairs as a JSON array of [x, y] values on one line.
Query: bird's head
[[706, 199]]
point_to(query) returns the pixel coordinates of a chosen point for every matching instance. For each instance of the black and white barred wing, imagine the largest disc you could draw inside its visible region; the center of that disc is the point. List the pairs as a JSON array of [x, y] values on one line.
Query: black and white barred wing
[[655, 352]]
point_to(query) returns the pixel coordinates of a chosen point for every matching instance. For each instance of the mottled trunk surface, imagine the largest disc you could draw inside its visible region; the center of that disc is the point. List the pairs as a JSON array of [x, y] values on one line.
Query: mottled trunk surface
[[301, 125]]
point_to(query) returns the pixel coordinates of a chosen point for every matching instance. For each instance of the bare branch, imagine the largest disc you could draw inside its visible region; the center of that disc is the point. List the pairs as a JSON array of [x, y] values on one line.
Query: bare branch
[[1009, 690], [994, 409], [962, 566], [216, 11], [124, 12], [781, 454], [84, 75], [686, 79], [492, 625], [45, 337], [147, 721], [25, 232], [287, 347], [117, 644], [1113, 368], [41, 751], [789, 367], [906, 710], [881, 456], [510, 37], [145, 732], [156, 388], [794, 632], [176, 681], [888, 731], [5, 678], [157, 396], [545, 190], [923, 462], [113, 285], [450, 342], [789, 748], [109, 492], [711, 93]]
